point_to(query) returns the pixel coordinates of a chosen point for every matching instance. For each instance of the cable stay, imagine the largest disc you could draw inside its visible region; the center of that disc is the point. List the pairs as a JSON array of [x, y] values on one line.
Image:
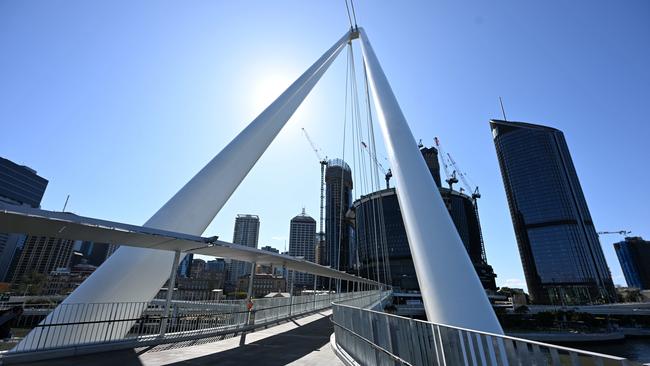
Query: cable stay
[[368, 174]]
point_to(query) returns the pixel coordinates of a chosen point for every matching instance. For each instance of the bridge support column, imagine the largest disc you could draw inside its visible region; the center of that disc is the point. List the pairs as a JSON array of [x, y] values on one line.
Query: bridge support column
[[315, 278], [250, 320], [293, 277], [170, 292], [451, 290]]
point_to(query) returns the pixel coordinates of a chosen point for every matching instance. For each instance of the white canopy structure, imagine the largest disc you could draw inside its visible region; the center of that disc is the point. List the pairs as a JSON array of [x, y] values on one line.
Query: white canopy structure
[[67, 225]]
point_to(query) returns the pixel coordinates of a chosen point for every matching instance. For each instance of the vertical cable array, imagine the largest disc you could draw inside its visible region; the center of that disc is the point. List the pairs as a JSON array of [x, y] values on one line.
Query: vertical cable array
[[366, 178]]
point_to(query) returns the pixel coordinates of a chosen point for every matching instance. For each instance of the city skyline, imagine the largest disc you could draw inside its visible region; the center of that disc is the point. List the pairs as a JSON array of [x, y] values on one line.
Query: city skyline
[[132, 138]]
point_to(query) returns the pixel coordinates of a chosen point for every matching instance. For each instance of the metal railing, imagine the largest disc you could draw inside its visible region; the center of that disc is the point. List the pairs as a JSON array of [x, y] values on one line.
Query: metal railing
[[375, 338], [146, 324]]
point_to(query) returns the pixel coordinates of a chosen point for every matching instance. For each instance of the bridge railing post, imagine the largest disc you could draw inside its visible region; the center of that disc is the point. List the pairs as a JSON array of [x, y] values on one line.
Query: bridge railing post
[[170, 292]]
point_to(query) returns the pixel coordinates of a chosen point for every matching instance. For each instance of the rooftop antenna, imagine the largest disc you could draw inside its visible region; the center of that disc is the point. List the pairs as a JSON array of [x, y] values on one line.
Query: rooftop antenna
[[66, 203], [503, 110]]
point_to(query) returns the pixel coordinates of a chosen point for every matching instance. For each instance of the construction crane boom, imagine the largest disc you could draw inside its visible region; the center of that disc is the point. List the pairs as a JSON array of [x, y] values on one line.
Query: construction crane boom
[[323, 164], [373, 158], [313, 146], [469, 188], [620, 232], [451, 177]]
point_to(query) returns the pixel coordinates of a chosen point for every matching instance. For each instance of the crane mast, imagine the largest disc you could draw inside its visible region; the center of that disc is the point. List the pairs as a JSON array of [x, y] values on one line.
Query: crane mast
[[323, 164]]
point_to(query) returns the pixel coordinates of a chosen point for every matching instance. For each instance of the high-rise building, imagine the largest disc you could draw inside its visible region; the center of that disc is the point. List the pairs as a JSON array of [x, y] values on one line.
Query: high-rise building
[[634, 255], [42, 255], [338, 196], [558, 244], [269, 248], [95, 253], [382, 208], [247, 231], [185, 266], [270, 268], [430, 155], [19, 185], [302, 243], [197, 268]]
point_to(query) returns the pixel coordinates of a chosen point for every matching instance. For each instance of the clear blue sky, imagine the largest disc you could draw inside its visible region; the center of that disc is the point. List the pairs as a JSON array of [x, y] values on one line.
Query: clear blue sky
[[119, 103]]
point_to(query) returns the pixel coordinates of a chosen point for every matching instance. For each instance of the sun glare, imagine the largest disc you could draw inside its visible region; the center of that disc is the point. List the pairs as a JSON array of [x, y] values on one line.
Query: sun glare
[[267, 89]]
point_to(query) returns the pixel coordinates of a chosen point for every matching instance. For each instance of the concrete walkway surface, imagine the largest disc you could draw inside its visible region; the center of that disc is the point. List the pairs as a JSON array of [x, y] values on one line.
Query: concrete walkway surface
[[303, 341]]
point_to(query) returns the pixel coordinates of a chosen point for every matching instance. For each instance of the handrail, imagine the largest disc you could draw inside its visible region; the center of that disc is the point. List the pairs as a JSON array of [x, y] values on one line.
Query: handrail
[[370, 336], [185, 324]]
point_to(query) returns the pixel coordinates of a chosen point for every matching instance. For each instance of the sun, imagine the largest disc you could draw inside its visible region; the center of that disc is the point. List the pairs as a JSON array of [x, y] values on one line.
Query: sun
[[267, 88]]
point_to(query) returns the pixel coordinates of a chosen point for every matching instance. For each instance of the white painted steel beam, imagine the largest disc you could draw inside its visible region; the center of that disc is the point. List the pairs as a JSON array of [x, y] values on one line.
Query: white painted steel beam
[[450, 287], [65, 225], [136, 274]]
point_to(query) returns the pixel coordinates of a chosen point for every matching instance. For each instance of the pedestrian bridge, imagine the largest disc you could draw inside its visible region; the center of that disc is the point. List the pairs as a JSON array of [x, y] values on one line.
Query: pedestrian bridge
[[308, 330]]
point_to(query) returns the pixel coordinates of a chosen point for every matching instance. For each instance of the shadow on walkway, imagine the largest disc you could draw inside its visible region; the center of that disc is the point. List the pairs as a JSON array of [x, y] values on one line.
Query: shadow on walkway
[[122, 358], [275, 350]]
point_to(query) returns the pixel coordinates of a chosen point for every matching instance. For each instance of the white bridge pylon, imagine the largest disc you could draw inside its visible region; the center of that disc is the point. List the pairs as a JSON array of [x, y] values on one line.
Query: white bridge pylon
[[451, 290]]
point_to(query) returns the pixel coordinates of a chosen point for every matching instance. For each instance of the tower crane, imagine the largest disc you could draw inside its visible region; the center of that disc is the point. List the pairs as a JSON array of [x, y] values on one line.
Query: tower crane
[[620, 232], [475, 193], [387, 173], [463, 177], [451, 177], [323, 164]]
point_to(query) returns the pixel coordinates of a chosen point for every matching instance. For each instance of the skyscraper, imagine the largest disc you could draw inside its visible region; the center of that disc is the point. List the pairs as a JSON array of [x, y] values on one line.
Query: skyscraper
[[302, 243], [560, 251], [42, 255], [634, 255], [430, 155], [19, 185], [247, 231], [185, 266], [368, 237], [95, 253], [338, 198]]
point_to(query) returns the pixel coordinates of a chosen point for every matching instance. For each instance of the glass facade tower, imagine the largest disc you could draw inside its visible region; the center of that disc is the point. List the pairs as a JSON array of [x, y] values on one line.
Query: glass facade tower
[[634, 255], [19, 185], [367, 211], [338, 198], [558, 244]]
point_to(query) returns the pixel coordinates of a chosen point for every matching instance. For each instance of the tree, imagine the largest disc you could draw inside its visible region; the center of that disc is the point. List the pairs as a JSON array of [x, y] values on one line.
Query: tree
[[32, 283]]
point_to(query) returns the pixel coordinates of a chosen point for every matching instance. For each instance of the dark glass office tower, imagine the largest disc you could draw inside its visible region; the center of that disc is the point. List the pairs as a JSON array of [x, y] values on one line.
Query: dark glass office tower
[[367, 212], [19, 185], [634, 255], [338, 199], [559, 248], [430, 155]]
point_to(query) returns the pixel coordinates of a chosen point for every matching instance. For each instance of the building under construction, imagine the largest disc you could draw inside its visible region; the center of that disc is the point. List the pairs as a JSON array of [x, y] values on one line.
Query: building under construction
[[382, 207]]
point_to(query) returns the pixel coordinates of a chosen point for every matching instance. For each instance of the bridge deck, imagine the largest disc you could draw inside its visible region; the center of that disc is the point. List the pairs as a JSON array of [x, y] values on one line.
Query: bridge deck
[[303, 341]]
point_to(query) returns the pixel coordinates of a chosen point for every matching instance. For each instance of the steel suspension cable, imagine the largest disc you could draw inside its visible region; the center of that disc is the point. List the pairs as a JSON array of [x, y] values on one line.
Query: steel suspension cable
[[371, 133], [348, 10]]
